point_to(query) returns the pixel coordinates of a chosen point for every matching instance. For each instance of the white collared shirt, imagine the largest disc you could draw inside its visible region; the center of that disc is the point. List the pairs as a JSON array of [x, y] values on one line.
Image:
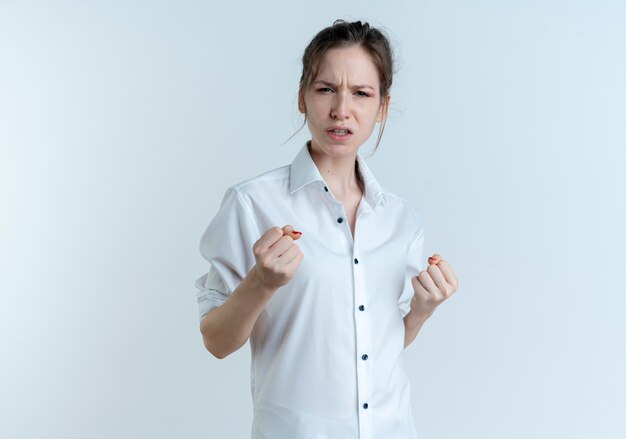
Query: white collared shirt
[[327, 351]]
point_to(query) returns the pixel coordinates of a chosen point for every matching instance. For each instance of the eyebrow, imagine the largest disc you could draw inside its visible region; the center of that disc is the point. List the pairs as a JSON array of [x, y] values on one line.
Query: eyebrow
[[319, 81]]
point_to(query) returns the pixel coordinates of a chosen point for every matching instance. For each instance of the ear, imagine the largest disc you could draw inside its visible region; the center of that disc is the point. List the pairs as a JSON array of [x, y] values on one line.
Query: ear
[[384, 108], [301, 105]]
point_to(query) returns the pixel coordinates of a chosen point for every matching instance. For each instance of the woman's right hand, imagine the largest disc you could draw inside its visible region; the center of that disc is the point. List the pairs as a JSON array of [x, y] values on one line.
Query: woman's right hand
[[277, 257]]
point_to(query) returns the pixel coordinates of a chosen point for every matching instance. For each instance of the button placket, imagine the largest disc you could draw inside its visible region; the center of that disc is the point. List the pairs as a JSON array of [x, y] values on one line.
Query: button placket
[[337, 209], [362, 326], [363, 342]]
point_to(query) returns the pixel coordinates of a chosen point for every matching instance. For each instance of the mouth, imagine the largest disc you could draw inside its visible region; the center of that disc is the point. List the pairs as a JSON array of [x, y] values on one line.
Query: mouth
[[340, 131], [339, 134]]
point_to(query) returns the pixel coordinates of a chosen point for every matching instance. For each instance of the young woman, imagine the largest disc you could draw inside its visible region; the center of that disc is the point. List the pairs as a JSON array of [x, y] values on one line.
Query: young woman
[[328, 318]]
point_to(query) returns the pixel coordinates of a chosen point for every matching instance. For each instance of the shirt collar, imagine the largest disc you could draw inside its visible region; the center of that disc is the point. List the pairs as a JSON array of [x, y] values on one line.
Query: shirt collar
[[304, 171]]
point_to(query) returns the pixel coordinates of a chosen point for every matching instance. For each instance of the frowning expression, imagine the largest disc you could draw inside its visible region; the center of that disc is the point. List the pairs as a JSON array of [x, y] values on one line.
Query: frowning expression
[[344, 94]]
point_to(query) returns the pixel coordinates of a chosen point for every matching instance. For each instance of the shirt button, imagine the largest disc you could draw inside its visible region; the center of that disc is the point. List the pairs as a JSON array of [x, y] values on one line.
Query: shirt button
[[365, 405], [325, 188], [362, 308], [339, 220], [356, 261], [364, 356]]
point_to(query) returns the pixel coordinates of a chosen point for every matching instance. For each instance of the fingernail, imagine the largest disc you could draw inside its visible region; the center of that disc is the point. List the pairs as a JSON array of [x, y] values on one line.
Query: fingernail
[[297, 233]]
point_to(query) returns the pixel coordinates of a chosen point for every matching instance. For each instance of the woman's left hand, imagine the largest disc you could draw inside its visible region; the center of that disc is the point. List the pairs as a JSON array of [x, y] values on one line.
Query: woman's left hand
[[432, 286]]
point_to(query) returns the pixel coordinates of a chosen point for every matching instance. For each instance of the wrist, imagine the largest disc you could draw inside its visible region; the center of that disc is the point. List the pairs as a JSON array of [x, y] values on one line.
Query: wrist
[[258, 284], [418, 315]]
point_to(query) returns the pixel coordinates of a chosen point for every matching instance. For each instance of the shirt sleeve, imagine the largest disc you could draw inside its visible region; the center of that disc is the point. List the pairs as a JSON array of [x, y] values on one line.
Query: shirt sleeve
[[414, 265], [227, 245], [212, 292]]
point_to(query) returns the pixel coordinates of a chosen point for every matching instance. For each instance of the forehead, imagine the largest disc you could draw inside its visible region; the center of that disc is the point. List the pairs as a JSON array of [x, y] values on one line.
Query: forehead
[[352, 63]]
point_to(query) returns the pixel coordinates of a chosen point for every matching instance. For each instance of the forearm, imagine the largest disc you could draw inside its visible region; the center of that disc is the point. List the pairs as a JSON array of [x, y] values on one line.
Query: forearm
[[226, 328], [413, 322]]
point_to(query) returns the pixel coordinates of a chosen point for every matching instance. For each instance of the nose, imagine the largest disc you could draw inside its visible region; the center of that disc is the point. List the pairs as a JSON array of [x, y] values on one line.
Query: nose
[[340, 108]]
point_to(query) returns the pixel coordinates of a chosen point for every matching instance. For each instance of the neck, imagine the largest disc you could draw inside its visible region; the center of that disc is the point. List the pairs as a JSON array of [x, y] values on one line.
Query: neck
[[340, 173]]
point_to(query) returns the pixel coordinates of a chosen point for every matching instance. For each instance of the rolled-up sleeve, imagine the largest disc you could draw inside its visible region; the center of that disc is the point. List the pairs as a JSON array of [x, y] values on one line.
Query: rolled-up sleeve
[[414, 265], [212, 292], [227, 245]]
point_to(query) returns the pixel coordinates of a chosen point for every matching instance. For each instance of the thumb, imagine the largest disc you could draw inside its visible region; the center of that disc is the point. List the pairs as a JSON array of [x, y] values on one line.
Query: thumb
[[434, 259], [288, 230]]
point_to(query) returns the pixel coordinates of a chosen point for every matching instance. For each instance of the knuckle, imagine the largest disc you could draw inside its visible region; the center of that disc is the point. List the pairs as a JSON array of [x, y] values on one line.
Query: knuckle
[[260, 252], [266, 263]]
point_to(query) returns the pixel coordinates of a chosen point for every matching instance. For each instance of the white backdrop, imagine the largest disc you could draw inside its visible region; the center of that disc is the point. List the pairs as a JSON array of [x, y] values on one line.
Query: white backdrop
[[122, 123]]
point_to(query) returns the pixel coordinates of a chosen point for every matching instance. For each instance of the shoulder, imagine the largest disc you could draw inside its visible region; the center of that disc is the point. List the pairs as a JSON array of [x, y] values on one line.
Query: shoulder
[[401, 205], [274, 181], [267, 177]]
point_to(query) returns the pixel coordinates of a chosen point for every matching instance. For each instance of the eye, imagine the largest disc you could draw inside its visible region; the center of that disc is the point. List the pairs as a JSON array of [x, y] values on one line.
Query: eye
[[360, 93]]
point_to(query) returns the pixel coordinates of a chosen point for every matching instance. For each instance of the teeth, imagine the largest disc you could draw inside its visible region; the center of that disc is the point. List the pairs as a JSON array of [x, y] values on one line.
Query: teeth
[[340, 132]]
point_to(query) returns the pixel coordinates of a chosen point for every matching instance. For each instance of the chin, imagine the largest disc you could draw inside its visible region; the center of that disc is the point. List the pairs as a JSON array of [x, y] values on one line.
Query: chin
[[337, 149]]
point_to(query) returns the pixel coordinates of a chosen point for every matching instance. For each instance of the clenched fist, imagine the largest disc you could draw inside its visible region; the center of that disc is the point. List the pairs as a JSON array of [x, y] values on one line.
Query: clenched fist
[[432, 286], [277, 257]]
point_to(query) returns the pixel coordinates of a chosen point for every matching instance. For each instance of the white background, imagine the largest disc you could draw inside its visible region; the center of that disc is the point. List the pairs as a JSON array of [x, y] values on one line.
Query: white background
[[122, 123]]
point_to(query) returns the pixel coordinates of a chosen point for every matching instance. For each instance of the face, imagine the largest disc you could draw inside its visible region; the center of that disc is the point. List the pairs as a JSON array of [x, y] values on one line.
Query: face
[[344, 94]]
